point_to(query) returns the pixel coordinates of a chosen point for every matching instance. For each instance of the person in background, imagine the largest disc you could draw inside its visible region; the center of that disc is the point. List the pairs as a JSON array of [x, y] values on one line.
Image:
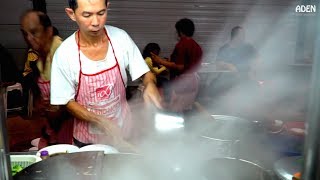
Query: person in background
[[237, 55], [183, 65], [242, 85], [30, 72], [158, 70], [38, 33], [89, 76]]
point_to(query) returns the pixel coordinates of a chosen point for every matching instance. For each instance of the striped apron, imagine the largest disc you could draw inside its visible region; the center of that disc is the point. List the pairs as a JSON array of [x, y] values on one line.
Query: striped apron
[[102, 93], [44, 86], [64, 134]]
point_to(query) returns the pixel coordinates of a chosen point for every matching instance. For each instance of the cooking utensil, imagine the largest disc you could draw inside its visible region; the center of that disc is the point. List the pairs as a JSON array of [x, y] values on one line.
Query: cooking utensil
[[234, 169], [222, 135]]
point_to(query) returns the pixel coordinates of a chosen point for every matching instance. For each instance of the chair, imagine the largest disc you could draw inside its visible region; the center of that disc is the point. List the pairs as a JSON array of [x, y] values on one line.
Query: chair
[[18, 87]]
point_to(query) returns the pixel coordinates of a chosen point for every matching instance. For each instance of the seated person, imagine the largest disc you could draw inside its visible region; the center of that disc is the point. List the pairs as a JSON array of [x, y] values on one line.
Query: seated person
[[156, 69], [238, 55]]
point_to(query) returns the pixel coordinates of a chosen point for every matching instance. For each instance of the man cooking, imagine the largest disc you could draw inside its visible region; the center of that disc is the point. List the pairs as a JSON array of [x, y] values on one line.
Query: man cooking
[[89, 77]]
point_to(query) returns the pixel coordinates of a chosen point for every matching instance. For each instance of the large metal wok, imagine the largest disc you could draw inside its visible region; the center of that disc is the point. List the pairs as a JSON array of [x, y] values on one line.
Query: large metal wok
[[225, 136], [234, 169], [97, 166]]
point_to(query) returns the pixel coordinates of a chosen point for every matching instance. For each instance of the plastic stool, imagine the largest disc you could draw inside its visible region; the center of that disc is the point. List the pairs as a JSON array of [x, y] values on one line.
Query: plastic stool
[[16, 86]]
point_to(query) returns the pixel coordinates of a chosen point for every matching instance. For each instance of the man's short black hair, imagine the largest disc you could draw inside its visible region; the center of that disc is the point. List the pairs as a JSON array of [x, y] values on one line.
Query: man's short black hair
[[43, 18], [235, 31], [185, 26], [73, 4]]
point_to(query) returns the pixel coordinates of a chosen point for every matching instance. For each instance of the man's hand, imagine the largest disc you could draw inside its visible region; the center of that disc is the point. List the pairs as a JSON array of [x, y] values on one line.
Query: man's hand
[[156, 58], [124, 146], [114, 132], [109, 127]]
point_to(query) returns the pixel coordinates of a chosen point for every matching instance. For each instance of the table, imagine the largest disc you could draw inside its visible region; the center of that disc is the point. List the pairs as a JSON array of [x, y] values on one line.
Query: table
[[211, 68], [210, 72], [286, 167]]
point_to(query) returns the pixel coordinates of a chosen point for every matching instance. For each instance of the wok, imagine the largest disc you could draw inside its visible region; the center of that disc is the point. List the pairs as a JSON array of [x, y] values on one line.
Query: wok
[[124, 167], [99, 166], [234, 169], [225, 136]]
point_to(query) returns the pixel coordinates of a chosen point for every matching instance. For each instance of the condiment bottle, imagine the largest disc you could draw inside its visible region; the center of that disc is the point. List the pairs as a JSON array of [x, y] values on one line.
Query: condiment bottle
[[44, 154]]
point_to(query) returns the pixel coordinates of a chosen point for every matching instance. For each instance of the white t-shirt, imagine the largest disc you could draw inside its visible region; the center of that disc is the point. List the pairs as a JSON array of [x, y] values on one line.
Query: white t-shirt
[[66, 67]]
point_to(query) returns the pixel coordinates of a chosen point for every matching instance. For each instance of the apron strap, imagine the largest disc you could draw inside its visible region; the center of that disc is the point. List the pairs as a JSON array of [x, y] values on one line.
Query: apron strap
[[114, 54], [115, 58]]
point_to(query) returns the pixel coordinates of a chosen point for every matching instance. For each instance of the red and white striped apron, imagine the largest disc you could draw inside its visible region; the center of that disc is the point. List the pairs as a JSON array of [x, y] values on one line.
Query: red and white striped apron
[[102, 93], [64, 135], [44, 86]]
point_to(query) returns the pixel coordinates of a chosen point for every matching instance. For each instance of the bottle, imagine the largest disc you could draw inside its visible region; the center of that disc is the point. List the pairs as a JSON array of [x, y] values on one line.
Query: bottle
[[44, 154]]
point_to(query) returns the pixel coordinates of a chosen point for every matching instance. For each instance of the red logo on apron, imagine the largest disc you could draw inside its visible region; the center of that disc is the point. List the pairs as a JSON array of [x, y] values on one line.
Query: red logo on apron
[[104, 92]]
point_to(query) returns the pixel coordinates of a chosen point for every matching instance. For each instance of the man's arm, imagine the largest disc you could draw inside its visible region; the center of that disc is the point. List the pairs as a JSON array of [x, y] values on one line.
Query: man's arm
[[151, 93], [167, 63], [108, 127], [226, 66], [80, 112]]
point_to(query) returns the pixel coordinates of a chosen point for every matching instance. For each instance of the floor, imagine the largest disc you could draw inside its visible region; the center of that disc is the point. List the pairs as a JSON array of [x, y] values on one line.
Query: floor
[[23, 129]]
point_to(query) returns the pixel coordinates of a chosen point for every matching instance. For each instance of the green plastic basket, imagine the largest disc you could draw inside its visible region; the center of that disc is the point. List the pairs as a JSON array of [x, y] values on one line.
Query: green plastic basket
[[23, 160]]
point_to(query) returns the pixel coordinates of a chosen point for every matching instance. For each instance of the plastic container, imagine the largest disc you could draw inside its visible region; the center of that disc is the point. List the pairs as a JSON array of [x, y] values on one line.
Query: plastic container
[[44, 154], [23, 160]]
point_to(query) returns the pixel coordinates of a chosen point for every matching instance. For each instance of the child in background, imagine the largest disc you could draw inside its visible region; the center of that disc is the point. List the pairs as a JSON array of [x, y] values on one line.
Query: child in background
[[155, 68]]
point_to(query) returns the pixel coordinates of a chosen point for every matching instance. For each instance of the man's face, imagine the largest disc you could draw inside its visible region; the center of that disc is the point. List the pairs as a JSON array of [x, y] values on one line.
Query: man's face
[[91, 16], [33, 32]]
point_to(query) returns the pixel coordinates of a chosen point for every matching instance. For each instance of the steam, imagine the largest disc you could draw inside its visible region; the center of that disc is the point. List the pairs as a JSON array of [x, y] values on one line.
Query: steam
[[181, 150]]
